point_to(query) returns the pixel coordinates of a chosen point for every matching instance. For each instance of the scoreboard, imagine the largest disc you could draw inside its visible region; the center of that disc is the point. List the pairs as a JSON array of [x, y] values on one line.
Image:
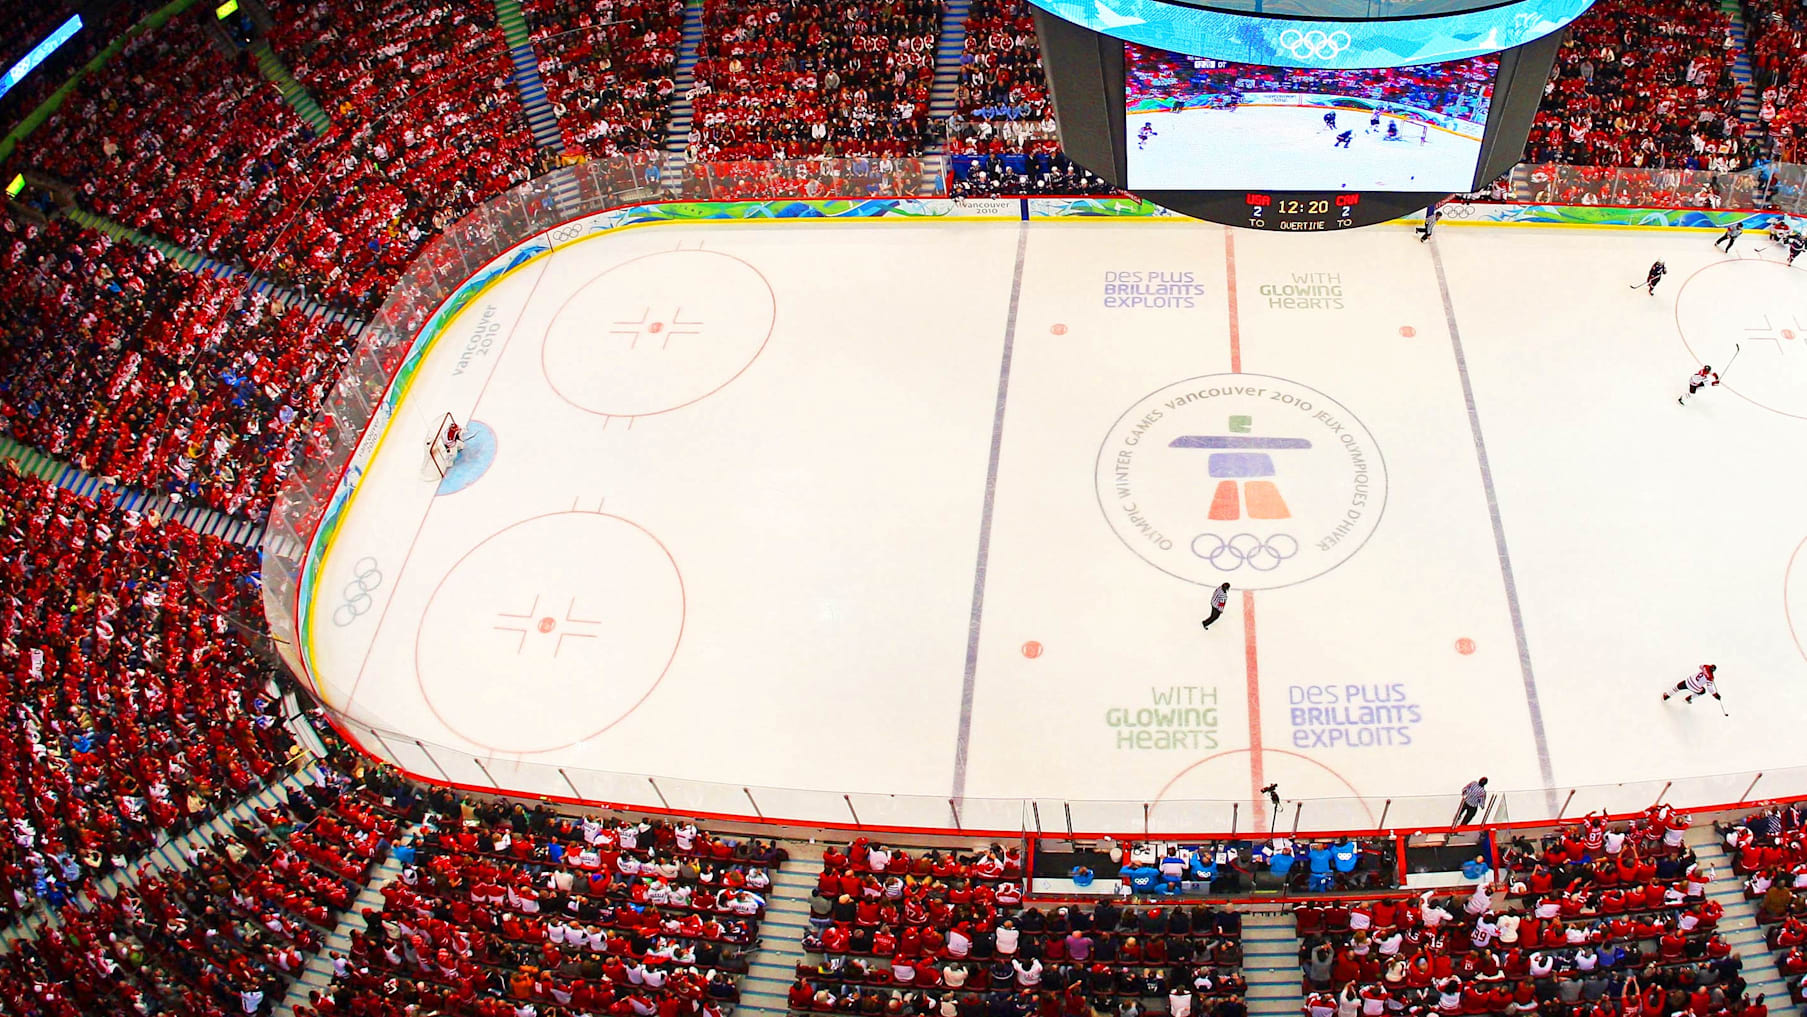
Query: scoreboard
[[1302, 212], [1298, 115]]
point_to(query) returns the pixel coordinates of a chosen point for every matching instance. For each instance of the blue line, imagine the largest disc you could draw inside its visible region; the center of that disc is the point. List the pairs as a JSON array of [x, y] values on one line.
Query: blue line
[[964, 735], [1532, 705]]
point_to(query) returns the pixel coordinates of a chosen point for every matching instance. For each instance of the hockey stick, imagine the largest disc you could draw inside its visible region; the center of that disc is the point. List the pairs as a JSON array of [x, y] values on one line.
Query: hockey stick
[[1722, 708], [1736, 349]]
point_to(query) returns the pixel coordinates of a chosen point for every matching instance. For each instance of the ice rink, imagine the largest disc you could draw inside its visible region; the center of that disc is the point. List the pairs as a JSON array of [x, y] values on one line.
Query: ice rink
[[1289, 148], [936, 509]]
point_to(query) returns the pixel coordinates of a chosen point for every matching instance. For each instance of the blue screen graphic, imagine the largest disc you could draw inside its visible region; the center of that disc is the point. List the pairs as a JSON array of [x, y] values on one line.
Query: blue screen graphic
[[1302, 42], [39, 53]]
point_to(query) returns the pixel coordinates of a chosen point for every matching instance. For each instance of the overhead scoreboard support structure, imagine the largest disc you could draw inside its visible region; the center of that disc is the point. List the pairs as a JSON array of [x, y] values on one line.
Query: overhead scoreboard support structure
[[1298, 115]]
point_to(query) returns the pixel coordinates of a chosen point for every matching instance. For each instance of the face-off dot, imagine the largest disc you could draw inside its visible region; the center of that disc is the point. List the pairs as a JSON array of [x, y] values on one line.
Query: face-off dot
[[1465, 646]]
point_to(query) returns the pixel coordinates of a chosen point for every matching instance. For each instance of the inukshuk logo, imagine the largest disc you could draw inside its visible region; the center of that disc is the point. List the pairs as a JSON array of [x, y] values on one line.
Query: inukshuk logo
[[1245, 478]]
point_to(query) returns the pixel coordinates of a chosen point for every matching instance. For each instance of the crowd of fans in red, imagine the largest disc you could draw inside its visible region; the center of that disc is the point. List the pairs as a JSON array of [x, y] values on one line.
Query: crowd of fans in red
[[224, 932], [786, 78], [427, 123], [607, 69], [1602, 921], [133, 369], [131, 709], [945, 934], [1777, 34], [1643, 83], [1001, 140], [500, 910], [172, 138]]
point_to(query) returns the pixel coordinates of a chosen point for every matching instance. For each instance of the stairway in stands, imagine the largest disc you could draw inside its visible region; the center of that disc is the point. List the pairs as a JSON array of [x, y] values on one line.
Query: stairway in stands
[[1270, 963], [541, 118], [774, 965], [196, 262], [527, 80], [677, 127], [318, 974], [1739, 925], [298, 97], [1748, 102], [950, 48]]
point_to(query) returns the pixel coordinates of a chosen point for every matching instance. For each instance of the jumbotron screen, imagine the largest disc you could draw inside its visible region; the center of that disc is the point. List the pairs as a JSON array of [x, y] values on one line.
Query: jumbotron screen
[[1194, 123]]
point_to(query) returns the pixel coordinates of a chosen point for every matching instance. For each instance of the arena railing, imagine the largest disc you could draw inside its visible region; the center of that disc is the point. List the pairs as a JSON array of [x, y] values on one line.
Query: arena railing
[[1064, 818], [1779, 186], [351, 420]]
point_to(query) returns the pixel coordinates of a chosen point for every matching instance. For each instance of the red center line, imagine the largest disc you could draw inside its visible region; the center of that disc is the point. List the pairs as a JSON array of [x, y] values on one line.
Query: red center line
[[1229, 258], [1253, 669]]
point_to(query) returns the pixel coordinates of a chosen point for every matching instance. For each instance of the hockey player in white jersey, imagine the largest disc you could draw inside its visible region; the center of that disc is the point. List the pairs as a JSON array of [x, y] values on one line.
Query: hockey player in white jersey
[[1700, 683]]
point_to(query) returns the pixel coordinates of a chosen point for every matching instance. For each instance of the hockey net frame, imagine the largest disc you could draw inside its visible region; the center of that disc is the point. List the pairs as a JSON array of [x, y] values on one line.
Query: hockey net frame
[[439, 451]]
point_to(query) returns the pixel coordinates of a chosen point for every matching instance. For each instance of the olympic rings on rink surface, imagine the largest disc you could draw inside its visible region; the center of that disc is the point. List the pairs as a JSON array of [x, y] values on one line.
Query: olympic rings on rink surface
[[1245, 549]]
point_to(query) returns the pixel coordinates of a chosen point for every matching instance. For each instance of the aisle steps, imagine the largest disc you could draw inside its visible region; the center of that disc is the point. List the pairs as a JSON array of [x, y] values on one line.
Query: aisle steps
[[298, 97], [950, 48], [773, 966], [1748, 102], [1739, 925], [540, 116], [679, 120], [1270, 963], [317, 976]]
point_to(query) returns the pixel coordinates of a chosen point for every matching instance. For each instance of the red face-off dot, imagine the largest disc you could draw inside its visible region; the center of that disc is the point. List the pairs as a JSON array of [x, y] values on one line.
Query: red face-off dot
[[1407, 331], [1032, 649], [1464, 646], [546, 624], [1788, 333], [1058, 329], [656, 327]]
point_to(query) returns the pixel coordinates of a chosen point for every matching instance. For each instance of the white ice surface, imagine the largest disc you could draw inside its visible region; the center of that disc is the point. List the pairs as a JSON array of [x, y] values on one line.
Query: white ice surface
[[778, 575]]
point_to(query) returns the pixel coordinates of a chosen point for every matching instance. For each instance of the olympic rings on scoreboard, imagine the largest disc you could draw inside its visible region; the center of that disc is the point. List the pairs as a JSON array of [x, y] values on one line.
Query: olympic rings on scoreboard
[[1245, 549], [366, 579], [1313, 43]]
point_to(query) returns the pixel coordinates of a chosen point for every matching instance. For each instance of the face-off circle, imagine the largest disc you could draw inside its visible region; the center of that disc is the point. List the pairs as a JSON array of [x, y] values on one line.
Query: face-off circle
[[1762, 307], [556, 627], [1248, 479], [658, 332]]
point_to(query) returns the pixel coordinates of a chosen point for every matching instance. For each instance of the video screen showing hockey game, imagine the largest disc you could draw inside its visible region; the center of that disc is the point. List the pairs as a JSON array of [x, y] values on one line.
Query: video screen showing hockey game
[[1194, 123]]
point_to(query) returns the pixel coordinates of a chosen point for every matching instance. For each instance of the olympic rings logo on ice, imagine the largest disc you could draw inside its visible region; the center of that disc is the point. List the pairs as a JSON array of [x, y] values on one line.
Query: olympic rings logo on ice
[[1245, 549], [1314, 44], [365, 579]]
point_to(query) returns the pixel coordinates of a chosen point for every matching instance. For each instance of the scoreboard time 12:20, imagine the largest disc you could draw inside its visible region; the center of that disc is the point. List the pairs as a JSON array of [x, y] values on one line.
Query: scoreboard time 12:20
[[1301, 211]]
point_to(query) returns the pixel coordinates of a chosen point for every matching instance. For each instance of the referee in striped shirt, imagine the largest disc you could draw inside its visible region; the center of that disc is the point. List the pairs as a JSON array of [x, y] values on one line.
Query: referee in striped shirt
[[1220, 598], [1473, 797]]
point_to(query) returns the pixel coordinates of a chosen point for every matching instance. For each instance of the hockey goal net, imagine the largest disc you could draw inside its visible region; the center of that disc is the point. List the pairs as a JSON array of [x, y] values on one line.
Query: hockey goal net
[[443, 447]]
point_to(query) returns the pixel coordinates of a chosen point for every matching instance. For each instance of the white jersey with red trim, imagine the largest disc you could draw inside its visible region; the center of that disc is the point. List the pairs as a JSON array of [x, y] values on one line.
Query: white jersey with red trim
[[1700, 683]]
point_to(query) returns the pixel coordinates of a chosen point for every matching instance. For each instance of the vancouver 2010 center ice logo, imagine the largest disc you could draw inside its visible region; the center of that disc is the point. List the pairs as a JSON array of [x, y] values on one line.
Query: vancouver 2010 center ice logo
[[1241, 478]]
